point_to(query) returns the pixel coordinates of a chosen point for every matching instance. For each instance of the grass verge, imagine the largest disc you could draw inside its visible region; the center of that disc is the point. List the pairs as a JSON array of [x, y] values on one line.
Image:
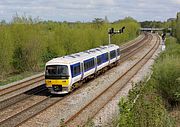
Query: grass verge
[[152, 103], [16, 77]]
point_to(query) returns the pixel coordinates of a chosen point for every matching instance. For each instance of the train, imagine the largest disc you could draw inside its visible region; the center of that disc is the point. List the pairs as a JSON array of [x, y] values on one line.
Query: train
[[66, 73]]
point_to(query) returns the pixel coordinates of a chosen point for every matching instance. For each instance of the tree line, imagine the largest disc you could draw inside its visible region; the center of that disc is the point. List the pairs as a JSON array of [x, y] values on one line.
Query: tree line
[[173, 23], [26, 44]]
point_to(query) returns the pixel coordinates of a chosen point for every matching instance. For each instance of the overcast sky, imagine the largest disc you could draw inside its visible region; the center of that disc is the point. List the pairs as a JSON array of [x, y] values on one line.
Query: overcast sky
[[87, 10]]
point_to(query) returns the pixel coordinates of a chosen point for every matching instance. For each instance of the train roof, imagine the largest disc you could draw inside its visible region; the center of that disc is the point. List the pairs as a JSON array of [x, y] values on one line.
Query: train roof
[[76, 57]]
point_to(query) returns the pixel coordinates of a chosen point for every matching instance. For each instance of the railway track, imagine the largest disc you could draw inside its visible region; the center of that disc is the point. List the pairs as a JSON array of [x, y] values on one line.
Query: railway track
[[40, 106], [21, 87], [28, 113], [10, 101], [127, 52], [30, 83], [91, 109], [14, 94]]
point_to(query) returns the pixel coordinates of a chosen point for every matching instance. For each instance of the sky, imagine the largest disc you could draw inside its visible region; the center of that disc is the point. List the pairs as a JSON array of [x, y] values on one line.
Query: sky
[[87, 10]]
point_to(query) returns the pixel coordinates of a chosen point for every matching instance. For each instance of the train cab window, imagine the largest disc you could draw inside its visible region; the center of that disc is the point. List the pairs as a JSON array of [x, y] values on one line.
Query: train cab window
[[99, 59], [89, 64], [118, 51], [57, 71], [75, 70], [112, 54]]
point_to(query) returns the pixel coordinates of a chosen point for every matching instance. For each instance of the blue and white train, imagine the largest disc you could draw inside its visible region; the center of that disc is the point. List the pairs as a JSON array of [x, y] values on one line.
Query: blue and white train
[[63, 74]]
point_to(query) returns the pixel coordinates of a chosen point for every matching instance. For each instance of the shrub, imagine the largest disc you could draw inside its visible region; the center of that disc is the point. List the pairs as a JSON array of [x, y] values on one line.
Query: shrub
[[18, 61], [146, 103], [48, 55], [144, 108], [26, 44], [6, 51], [166, 72]]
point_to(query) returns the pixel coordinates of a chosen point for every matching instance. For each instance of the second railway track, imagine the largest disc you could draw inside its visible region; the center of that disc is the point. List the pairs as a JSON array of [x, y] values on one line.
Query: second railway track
[[29, 83], [37, 108], [92, 108], [21, 87], [17, 95]]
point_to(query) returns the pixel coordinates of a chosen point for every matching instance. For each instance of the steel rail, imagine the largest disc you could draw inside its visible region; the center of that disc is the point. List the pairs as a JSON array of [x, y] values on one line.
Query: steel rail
[[49, 101], [39, 78], [75, 116]]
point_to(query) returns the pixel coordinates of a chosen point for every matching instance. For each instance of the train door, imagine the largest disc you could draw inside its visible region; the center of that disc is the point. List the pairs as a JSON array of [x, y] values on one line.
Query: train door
[[82, 70]]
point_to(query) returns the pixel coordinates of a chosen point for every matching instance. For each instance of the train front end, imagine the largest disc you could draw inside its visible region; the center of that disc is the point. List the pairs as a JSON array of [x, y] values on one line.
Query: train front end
[[57, 78]]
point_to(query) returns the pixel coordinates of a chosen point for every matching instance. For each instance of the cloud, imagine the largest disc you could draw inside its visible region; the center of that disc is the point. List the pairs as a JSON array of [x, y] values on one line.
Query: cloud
[[176, 1], [81, 10]]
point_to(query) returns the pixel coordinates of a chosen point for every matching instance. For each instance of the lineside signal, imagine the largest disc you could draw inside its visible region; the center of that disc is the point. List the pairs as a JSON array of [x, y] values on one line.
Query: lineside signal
[[111, 32]]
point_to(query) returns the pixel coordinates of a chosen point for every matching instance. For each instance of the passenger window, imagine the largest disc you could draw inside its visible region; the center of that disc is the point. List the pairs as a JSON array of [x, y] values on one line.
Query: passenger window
[[88, 64], [75, 69], [105, 57], [99, 60], [112, 54]]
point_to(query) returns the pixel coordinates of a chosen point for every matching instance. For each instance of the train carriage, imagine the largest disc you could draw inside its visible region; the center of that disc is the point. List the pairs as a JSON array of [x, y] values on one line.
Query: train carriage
[[63, 74]]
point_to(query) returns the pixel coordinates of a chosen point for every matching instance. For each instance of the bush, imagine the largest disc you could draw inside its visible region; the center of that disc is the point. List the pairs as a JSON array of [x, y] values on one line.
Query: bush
[[167, 71], [178, 30], [144, 108], [26, 44], [146, 103], [18, 61], [6, 51], [48, 55]]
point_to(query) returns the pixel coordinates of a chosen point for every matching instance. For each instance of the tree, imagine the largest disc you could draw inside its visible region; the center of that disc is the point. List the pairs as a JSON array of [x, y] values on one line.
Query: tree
[[18, 59], [178, 27], [3, 22], [178, 16], [106, 19], [99, 22], [48, 55], [25, 19]]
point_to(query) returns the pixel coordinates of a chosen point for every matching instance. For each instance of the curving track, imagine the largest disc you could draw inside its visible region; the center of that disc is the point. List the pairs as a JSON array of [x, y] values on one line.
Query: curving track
[[21, 116], [95, 105]]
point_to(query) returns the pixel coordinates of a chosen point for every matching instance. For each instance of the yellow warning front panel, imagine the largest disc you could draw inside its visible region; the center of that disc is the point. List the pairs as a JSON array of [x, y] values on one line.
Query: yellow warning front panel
[[50, 82]]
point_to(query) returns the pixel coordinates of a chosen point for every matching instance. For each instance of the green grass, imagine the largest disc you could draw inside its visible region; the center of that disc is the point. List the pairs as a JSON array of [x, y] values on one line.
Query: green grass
[[15, 77], [155, 98]]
